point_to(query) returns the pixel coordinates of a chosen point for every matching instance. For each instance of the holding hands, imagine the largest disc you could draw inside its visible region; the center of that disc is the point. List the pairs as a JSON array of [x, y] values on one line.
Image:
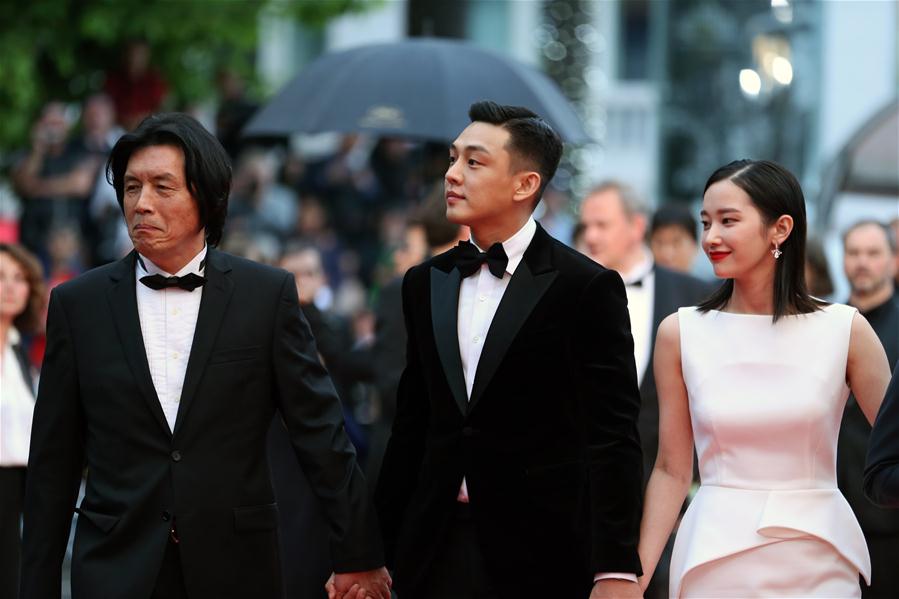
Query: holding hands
[[360, 585]]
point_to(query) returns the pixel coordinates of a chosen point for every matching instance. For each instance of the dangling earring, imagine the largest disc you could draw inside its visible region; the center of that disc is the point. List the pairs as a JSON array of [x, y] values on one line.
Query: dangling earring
[[776, 251]]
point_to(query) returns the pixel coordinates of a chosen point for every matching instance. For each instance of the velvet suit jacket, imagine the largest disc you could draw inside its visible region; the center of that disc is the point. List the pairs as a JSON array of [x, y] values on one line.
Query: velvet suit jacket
[[252, 356], [547, 442]]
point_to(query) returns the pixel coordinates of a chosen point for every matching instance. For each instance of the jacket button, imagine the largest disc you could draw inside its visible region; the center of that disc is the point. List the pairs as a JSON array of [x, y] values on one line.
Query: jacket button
[[166, 515], [176, 456], [469, 432]]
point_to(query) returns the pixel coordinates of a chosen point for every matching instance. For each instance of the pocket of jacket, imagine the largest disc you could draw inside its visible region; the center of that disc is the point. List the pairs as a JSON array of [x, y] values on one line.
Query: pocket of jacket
[[235, 354], [104, 522], [256, 517]]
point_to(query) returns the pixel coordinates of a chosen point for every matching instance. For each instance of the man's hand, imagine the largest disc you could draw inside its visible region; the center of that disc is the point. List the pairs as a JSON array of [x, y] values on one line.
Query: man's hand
[[615, 588], [360, 585]]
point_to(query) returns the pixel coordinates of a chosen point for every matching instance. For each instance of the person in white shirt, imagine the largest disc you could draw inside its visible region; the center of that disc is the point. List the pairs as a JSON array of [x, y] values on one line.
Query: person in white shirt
[[514, 467], [21, 311], [615, 219], [163, 373]]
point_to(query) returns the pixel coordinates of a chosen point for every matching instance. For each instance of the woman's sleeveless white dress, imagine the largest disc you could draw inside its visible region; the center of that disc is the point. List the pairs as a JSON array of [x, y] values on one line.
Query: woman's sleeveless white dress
[[766, 401]]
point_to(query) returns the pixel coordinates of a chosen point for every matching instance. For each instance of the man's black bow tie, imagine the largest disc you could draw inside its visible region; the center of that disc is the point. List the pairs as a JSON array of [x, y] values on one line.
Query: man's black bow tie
[[469, 259], [188, 282]]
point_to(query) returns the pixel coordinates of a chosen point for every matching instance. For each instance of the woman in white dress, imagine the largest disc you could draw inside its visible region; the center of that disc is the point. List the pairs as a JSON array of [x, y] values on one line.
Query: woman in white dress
[[757, 376]]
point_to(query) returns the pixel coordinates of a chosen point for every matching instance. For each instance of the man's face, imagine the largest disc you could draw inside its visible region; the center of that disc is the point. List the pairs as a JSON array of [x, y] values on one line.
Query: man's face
[[479, 183], [868, 261], [162, 215], [610, 234], [412, 251], [308, 273], [672, 247]]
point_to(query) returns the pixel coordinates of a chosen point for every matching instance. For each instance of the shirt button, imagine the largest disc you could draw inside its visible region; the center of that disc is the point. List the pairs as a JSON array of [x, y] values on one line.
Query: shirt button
[[175, 355], [175, 311], [166, 515], [483, 298], [176, 456], [476, 339]]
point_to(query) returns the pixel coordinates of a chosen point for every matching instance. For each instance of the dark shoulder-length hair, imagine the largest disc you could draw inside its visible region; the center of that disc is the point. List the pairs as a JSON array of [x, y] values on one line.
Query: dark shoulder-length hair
[[207, 168], [774, 191], [31, 318]]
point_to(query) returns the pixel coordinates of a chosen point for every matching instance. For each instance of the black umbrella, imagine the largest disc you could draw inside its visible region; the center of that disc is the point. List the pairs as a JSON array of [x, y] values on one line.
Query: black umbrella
[[419, 88]]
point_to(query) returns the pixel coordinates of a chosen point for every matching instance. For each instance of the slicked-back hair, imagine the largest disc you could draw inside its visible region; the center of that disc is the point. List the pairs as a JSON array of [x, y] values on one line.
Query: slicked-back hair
[[530, 137], [774, 191], [207, 168]]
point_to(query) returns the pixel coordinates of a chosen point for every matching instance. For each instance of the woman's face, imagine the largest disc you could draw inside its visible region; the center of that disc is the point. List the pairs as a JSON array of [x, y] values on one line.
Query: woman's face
[[14, 287], [734, 236]]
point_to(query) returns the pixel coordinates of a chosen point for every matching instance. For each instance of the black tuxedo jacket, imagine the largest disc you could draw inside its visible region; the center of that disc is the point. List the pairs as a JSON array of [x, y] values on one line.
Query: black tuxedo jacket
[[673, 290], [882, 469], [252, 355], [548, 442]]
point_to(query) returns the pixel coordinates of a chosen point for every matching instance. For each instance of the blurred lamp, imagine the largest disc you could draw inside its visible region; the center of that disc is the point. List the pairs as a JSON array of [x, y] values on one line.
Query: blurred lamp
[[782, 70], [750, 82]]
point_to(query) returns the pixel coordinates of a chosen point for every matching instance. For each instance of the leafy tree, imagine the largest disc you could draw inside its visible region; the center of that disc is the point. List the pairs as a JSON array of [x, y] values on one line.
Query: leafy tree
[[61, 49]]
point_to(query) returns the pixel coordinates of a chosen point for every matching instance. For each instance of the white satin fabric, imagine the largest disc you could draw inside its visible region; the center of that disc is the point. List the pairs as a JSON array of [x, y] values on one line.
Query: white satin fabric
[[766, 401]]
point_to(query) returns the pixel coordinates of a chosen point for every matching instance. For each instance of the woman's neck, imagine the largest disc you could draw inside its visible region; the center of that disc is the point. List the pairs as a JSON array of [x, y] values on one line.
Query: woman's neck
[[753, 293]]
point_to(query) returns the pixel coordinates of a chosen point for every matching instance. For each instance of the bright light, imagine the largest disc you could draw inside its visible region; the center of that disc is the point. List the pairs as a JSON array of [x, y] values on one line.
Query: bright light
[[782, 70], [750, 82], [782, 10]]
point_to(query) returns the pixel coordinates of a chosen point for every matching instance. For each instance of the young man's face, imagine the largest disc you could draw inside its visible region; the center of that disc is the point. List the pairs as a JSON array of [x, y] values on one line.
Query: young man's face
[[480, 183]]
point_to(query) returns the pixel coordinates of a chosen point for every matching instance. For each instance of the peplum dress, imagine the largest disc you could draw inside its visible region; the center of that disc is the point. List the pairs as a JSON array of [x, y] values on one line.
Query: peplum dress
[[766, 400]]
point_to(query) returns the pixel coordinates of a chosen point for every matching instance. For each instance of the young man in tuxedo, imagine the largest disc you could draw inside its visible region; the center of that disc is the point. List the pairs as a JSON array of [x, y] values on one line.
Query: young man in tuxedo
[[162, 375], [514, 466]]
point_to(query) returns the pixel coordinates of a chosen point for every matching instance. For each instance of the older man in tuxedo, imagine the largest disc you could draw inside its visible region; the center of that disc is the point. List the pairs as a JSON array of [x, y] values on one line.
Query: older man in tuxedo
[[162, 375], [614, 220]]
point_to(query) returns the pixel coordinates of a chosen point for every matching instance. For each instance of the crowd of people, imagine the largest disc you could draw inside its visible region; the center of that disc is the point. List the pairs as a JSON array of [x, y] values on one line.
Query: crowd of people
[[348, 224]]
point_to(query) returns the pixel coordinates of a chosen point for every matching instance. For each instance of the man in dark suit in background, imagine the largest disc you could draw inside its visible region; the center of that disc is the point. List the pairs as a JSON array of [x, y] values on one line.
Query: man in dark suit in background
[[614, 219], [882, 469], [162, 374], [869, 261], [514, 465]]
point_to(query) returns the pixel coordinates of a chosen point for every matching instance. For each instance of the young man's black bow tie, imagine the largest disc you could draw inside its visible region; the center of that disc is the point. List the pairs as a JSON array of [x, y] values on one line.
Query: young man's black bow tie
[[188, 282], [469, 259]]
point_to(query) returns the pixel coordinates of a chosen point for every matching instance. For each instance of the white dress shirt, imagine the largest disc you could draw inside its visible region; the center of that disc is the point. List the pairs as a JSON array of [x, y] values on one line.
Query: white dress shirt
[[479, 297], [168, 318], [640, 307], [16, 407]]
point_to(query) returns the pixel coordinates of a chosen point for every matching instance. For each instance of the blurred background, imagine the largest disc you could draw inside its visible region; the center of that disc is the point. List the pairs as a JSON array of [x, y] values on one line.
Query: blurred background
[[668, 91]]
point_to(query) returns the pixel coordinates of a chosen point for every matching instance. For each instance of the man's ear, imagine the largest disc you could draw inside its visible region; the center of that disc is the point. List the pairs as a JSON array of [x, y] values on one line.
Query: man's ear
[[527, 185]]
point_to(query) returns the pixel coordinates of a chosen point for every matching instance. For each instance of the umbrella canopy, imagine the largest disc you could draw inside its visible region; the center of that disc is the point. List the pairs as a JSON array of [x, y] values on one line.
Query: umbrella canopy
[[419, 88]]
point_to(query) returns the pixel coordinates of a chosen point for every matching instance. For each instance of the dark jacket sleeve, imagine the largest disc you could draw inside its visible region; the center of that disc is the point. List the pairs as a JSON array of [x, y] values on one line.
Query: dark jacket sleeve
[[610, 403], [882, 465], [311, 410], [55, 462], [405, 450]]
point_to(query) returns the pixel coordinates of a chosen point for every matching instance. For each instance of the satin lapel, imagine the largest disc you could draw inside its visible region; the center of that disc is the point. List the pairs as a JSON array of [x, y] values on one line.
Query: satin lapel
[[521, 297], [216, 295], [444, 318], [123, 305]]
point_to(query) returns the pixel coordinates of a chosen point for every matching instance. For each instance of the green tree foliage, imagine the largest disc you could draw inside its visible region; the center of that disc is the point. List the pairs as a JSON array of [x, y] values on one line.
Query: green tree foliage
[[61, 49]]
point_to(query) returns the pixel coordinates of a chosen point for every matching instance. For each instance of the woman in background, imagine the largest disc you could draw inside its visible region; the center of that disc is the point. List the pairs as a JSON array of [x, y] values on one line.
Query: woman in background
[[758, 376], [21, 312]]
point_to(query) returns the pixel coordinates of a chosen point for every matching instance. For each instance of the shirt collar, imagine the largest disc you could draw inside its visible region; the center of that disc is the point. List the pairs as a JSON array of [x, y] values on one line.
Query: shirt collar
[[516, 245], [13, 337], [640, 270], [197, 265]]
